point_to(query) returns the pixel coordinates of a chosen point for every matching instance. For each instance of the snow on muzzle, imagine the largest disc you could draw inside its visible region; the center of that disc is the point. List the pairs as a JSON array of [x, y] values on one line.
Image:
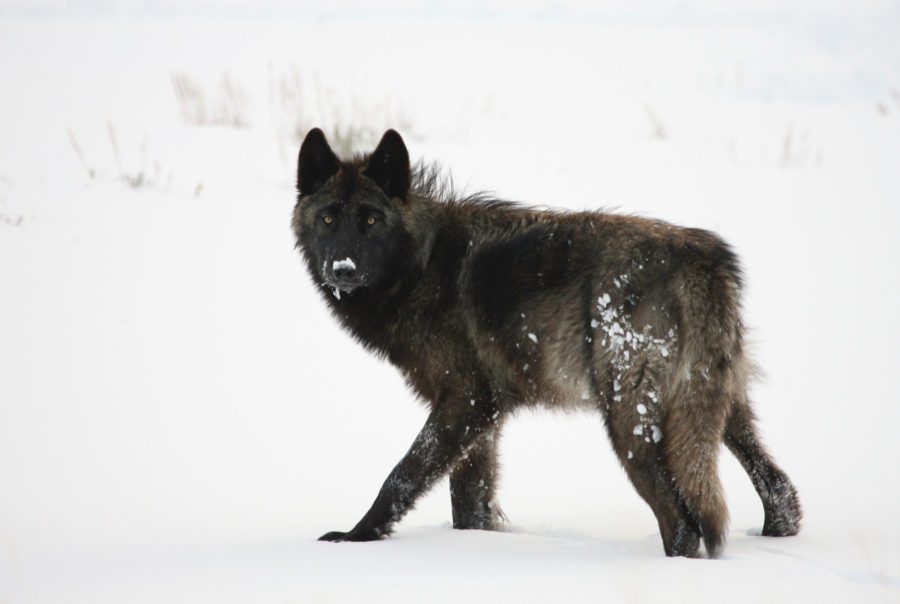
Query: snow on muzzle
[[342, 275]]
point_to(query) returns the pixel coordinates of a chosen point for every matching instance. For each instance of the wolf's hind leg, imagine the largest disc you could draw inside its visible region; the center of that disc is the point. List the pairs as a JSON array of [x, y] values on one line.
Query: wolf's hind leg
[[779, 497], [648, 474], [473, 481], [633, 426], [694, 425], [645, 466], [634, 416]]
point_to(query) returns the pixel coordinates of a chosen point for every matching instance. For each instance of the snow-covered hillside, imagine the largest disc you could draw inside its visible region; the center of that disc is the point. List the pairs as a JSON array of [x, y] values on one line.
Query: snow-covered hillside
[[180, 417]]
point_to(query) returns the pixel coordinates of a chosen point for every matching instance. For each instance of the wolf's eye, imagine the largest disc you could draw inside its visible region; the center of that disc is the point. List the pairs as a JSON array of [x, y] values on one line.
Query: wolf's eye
[[370, 221], [327, 219]]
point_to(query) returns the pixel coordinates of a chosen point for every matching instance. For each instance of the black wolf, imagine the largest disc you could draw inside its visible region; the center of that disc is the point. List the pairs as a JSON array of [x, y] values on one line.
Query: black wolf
[[486, 307]]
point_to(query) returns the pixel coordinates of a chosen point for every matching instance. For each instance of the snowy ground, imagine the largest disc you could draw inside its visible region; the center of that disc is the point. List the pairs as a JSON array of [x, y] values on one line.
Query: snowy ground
[[179, 416]]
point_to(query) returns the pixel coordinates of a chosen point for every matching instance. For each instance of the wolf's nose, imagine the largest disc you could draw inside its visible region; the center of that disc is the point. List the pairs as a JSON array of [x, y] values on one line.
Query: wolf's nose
[[344, 270], [345, 273]]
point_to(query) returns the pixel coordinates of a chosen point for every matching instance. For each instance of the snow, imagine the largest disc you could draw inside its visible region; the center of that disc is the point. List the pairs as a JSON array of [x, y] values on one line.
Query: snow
[[176, 418], [345, 263]]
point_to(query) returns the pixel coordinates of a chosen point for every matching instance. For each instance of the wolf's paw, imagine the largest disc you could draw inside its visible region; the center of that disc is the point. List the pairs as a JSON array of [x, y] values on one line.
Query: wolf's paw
[[354, 535], [685, 541], [783, 512], [781, 525]]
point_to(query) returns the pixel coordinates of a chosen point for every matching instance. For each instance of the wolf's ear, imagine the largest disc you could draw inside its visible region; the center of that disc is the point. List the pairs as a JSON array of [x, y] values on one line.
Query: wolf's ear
[[389, 165], [316, 164]]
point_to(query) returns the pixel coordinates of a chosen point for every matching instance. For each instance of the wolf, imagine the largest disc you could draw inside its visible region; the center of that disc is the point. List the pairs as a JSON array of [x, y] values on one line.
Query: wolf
[[486, 307]]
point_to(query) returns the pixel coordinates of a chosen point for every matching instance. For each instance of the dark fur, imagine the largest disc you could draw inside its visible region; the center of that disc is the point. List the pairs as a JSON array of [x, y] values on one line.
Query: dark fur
[[487, 307]]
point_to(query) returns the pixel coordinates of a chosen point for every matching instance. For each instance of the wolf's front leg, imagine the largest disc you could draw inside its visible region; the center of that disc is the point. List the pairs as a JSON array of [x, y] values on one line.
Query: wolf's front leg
[[473, 483], [447, 436]]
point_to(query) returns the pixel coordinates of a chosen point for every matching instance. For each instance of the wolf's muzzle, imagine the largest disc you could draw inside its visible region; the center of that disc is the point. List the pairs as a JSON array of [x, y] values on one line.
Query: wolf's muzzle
[[343, 275]]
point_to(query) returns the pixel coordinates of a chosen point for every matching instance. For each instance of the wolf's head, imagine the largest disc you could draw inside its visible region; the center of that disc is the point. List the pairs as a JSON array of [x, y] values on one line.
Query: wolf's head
[[349, 218]]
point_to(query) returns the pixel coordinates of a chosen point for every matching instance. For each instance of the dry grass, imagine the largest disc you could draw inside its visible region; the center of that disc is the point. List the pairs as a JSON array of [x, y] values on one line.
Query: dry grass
[[297, 102], [799, 149], [657, 126], [5, 217], [300, 102], [10, 221], [145, 175], [79, 153], [225, 105]]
